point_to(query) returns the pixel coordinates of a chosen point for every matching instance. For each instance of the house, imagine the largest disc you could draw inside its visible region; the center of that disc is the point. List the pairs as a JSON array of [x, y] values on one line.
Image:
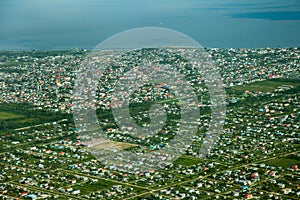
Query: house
[[76, 192], [286, 190], [254, 176], [295, 167], [23, 194], [244, 188], [248, 196], [73, 181], [236, 194], [31, 196], [272, 173]]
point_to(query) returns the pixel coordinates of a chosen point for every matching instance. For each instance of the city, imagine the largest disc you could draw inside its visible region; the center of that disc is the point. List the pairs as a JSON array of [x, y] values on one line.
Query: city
[[257, 155]]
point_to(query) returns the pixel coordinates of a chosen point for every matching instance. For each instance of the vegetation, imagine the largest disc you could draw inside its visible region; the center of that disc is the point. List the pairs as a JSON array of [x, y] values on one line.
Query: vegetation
[[285, 162], [267, 85], [13, 116], [188, 160]]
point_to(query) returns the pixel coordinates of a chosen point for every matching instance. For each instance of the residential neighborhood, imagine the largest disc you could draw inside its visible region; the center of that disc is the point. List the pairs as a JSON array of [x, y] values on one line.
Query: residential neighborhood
[[256, 156]]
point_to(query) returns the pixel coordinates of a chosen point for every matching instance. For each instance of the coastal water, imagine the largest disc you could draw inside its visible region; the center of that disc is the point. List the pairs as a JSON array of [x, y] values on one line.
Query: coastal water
[[64, 24]]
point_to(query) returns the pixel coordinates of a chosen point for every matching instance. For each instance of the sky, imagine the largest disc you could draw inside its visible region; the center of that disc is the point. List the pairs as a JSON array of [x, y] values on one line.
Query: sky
[[67, 24]]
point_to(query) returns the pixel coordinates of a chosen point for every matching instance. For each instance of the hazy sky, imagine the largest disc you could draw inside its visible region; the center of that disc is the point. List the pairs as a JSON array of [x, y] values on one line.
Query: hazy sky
[[62, 24]]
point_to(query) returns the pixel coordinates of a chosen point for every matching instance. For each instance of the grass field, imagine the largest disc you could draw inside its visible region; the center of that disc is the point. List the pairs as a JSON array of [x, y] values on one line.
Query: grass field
[[266, 86], [187, 160], [285, 162], [9, 115], [94, 187], [14, 116], [113, 144]]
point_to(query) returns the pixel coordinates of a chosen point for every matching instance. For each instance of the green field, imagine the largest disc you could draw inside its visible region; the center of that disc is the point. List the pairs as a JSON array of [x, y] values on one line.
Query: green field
[[284, 162], [267, 86], [9, 115], [14, 116], [94, 187], [187, 160]]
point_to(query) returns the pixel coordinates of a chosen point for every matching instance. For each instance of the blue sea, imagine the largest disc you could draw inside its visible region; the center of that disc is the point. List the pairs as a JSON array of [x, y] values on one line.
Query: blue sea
[[67, 24]]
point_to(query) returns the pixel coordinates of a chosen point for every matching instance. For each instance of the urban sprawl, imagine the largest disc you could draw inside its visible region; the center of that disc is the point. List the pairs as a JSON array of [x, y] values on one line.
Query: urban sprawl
[[257, 155]]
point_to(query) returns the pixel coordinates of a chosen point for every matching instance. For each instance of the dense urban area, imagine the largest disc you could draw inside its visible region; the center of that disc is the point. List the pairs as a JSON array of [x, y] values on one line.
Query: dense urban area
[[257, 155]]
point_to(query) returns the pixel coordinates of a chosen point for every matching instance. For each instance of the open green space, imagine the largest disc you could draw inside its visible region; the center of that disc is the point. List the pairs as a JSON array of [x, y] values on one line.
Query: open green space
[[94, 187], [9, 115], [285, 162], [188, 160], [13, 116], [267, 85]]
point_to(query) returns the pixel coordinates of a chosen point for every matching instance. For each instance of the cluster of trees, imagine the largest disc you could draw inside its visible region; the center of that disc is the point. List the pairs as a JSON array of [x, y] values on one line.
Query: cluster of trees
[[26, 115]]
